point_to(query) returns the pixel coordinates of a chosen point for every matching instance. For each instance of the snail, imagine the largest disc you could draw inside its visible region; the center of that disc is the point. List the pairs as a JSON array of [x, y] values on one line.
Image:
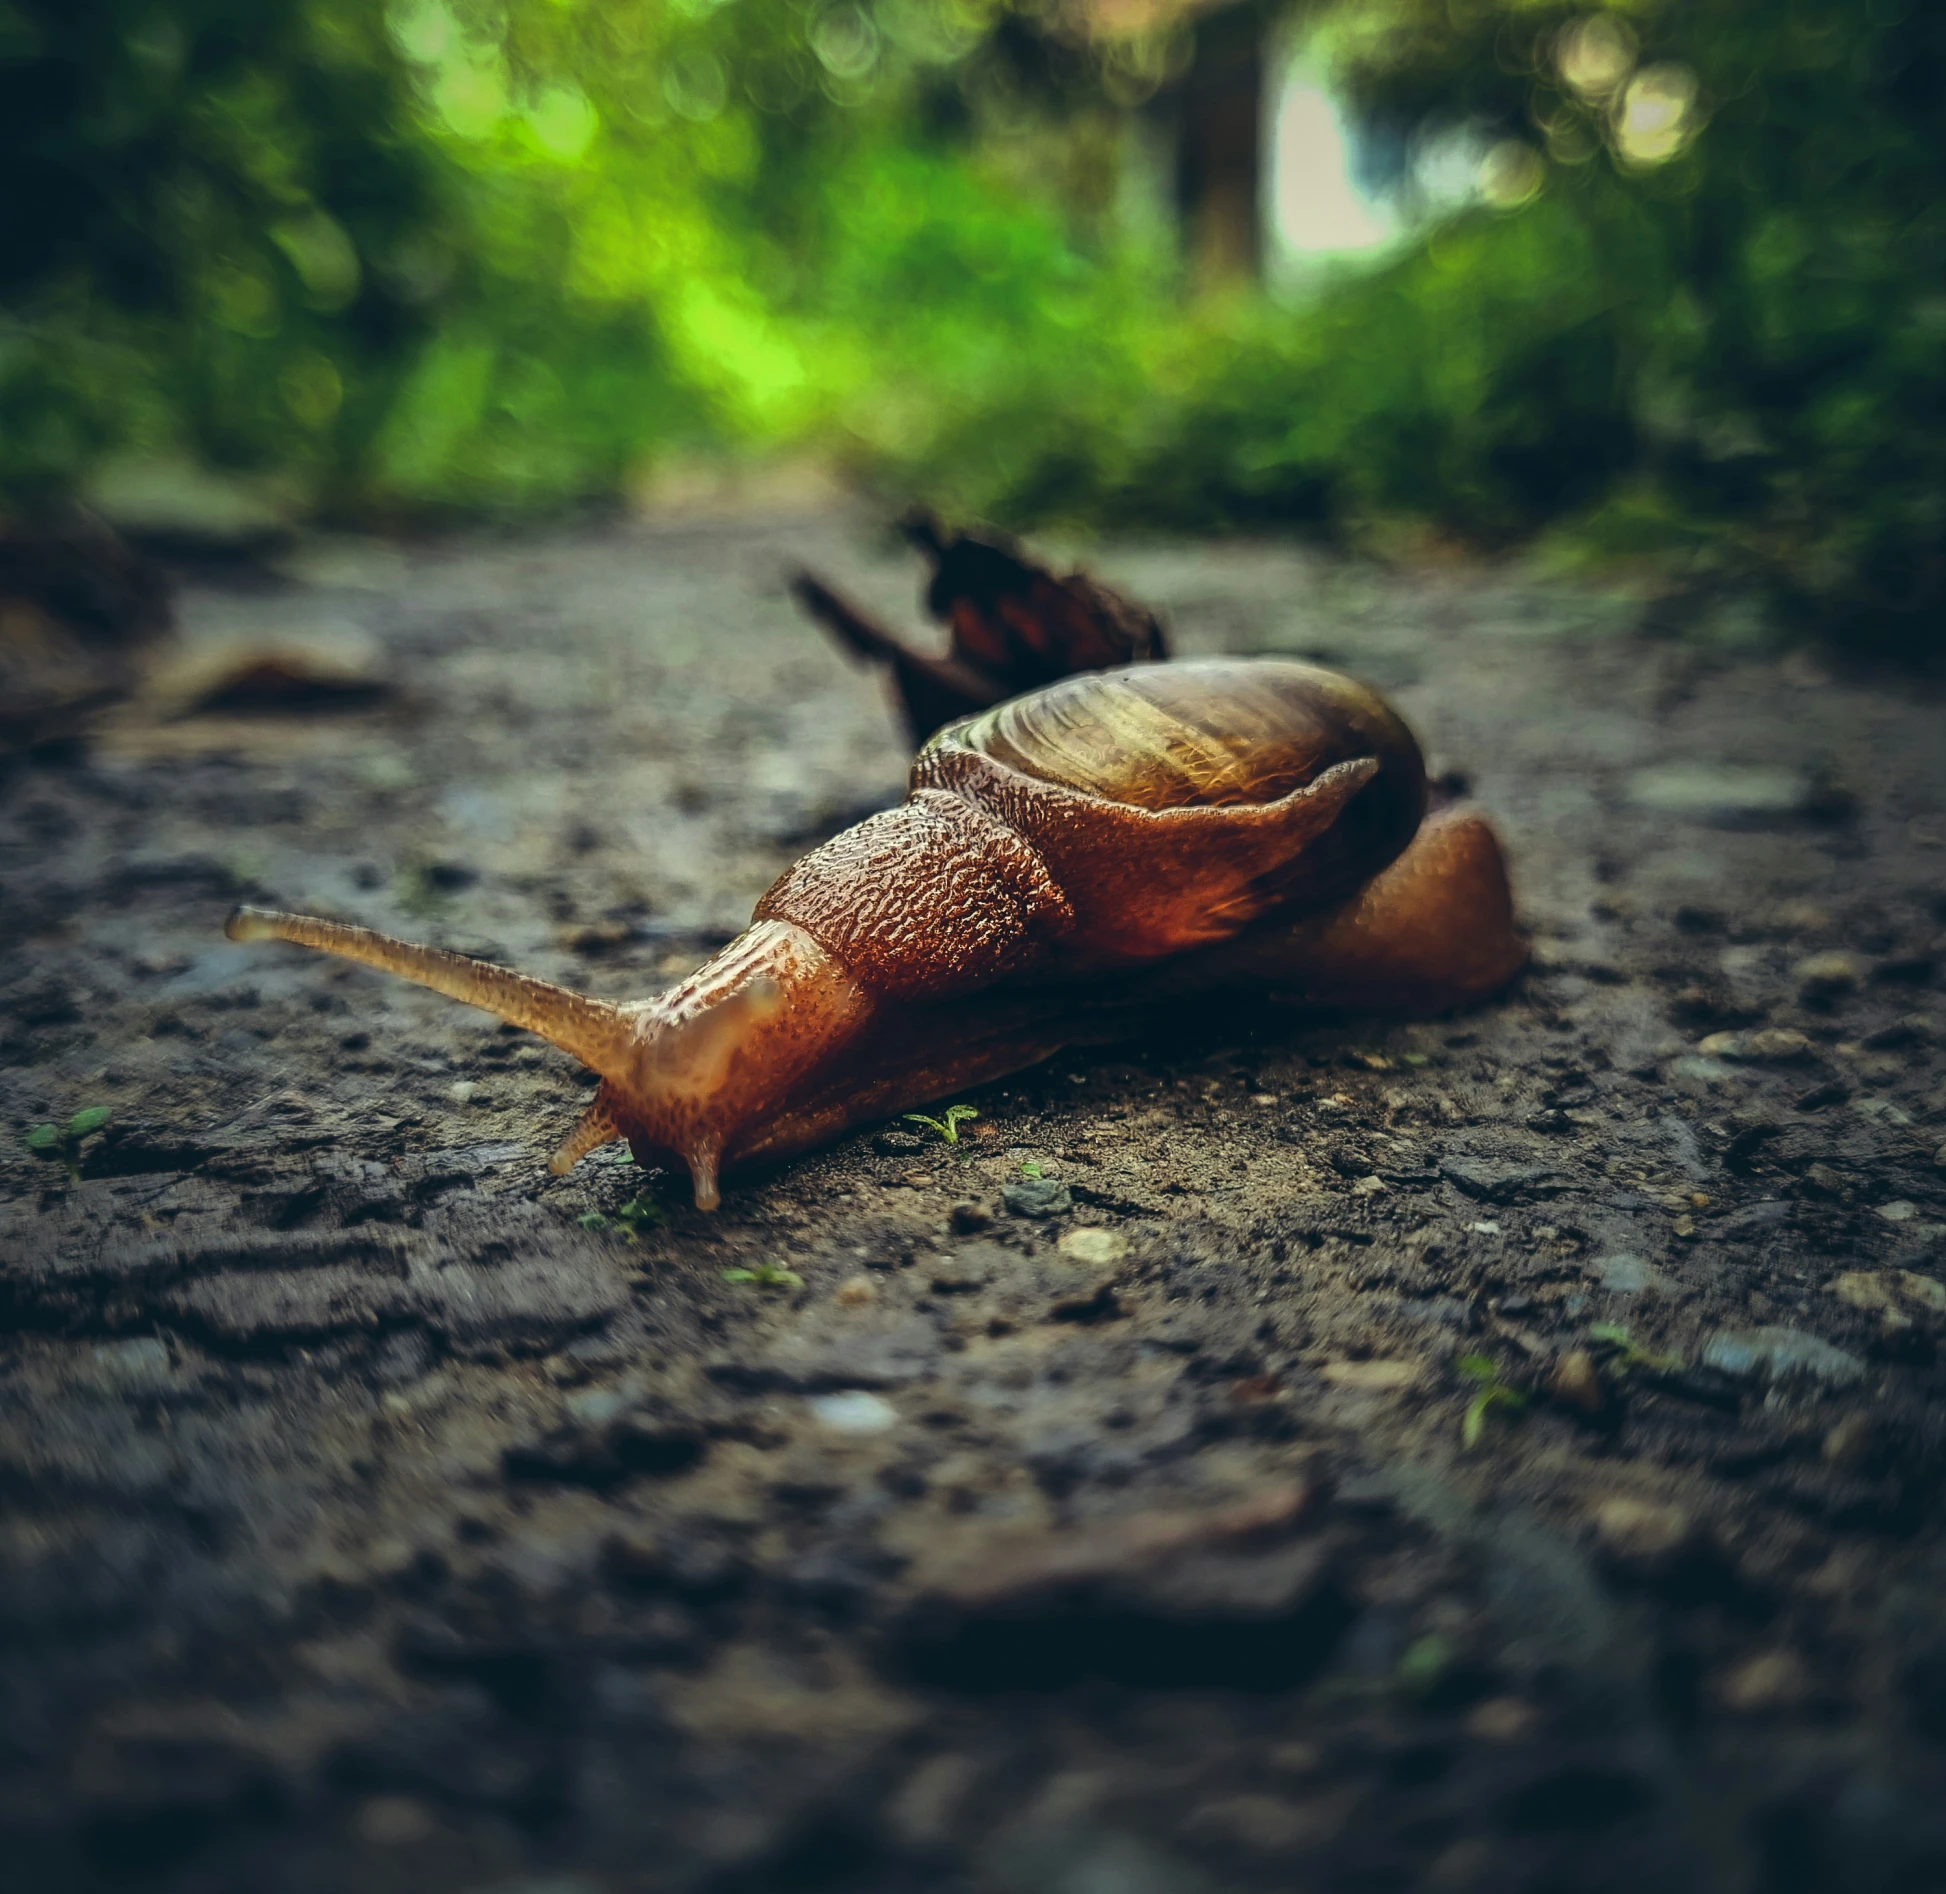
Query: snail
[[1064, 865], [1014, 625]]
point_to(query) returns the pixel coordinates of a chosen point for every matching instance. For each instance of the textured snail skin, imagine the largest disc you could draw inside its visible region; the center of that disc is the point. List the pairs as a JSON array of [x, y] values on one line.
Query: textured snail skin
[[1067, 866]]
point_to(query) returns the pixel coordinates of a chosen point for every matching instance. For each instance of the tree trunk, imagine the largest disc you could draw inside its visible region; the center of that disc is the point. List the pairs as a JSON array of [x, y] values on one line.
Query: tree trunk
[[1219, 146]]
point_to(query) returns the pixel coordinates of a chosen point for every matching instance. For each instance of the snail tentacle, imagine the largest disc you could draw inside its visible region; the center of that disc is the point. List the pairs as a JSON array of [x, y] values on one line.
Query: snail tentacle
[[595, 1127], [594, 1031]]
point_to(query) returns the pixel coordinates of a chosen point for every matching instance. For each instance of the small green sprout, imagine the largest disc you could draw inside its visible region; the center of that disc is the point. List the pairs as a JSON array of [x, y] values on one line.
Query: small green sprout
[[635, 1216], [639, 1214], [1629, 1353], [766, 1276], [1028, 1168], [1493, 1393], [948, 1126], [1425, 1662], [61, 1144]]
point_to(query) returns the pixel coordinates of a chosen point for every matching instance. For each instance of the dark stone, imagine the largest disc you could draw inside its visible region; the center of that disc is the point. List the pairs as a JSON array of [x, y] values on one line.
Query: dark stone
[[1502, 1183], [1232, 1599], [1038, 1197], [1755, 1219]]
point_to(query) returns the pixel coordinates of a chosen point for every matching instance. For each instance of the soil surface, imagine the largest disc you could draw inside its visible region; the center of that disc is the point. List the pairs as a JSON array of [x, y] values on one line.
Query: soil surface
[[1502, 1453]]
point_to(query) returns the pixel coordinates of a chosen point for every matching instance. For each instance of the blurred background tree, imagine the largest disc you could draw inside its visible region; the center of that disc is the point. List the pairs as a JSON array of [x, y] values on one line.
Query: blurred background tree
[[1649, 279]]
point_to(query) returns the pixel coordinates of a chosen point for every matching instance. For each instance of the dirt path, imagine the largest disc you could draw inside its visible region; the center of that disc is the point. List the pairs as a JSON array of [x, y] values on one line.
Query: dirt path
[[381, 1513]]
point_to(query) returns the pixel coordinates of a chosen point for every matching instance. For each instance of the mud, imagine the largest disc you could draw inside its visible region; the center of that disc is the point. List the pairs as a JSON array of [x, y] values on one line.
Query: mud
[[1501, 1453]]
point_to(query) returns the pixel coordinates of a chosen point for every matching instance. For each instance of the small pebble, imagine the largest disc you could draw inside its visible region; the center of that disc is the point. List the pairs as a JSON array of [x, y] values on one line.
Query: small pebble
[[463, 1092], [1732, 793], [1640, 1531], [1501, 1719], [1371, 1377], [594, 1407], [1773, 1045], [1882, 1291], [1849, 1443], [1038, 1197], [967, 1272], [140, 1362], [856, 1292], [1780, 1354], [854, 1412], [1898, 1212], [1939, 1157], [1624, 1274], [1825, 976], [966, 1217], [1773, 1680], [1822, 1179], [1577, 1383], [1097, 1246]]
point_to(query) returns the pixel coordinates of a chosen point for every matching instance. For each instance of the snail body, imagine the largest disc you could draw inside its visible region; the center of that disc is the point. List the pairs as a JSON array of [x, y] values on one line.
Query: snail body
[[1064, 864]]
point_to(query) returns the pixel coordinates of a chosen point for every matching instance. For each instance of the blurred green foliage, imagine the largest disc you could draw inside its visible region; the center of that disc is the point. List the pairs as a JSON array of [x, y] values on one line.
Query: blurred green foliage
[[506, 253]]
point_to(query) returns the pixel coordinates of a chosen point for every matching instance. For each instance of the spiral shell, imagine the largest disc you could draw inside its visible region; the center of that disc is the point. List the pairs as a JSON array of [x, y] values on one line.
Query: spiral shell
[[1174, 805]]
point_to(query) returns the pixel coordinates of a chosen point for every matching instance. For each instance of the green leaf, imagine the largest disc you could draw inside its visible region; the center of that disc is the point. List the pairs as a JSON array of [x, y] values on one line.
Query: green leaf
[[594, 1220], [43, 1138], [1476, 1419], [1629, 1353], [948, 1126], [1029, 1168], [1478, 1368], [766, 1276], [1425, 1661], [641, 1213], [85, 1122]]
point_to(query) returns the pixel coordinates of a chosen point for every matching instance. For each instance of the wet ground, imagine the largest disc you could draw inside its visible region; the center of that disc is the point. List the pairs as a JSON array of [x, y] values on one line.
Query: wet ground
[[1504, 1453]]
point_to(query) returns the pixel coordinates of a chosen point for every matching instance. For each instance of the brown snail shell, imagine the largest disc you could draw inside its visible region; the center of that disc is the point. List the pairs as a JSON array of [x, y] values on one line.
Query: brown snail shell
[[1117, 841]]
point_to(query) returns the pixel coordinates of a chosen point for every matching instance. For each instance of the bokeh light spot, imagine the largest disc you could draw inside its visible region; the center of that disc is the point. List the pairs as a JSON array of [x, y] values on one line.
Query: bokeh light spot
[[1657, 115], [1511, 174], [1596, 55]]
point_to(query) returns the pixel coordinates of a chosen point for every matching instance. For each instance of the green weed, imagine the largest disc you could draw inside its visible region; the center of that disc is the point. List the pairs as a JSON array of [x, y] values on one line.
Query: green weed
[[1628, 1354], [1493, 1395], [61, 1144], [638, 1214], [948, 1126], [766, 1276]]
